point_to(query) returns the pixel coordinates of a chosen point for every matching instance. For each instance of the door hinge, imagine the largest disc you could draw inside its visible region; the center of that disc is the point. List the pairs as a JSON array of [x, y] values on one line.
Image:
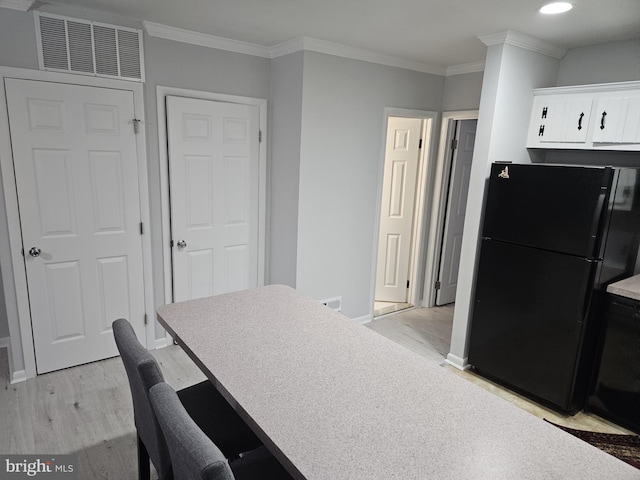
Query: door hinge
[[420, 144], [171, 244], [454, 143], [136, 125], [259, 136], [407, 283], [438, 285], [146, 319], [141, 228]]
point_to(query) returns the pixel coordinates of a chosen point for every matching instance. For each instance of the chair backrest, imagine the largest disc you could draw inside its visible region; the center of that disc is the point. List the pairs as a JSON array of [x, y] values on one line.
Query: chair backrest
[[193, 455], [143, 372]]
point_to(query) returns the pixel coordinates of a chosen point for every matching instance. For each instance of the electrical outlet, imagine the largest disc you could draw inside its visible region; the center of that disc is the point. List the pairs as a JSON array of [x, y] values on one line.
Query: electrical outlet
[[334, 303]]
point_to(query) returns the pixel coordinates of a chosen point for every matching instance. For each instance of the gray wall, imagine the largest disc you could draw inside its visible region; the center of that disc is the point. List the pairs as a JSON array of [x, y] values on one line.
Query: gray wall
[[462, 92], [609, 62], [17, 49], [4, 325], [340, 166], [284, 171], [167, 63], [18, 45], [175, 64]]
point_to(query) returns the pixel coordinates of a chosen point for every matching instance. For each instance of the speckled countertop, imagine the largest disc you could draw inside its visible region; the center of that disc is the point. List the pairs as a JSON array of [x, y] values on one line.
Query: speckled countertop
[[337, 401], [629, 287]]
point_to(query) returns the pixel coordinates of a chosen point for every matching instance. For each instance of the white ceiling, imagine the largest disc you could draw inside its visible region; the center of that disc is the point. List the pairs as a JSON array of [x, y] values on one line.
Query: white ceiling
[[436, 33]]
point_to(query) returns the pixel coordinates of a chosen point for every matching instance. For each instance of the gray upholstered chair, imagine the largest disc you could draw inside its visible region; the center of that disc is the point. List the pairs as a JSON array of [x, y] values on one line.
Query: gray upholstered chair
[[205, 404], [195, 457]]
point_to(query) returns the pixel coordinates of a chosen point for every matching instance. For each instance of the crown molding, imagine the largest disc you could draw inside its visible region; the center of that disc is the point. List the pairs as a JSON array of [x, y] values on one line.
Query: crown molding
[[465, 68], [22, 5], [285, 48], [204, 40], [517, 39], [300, 44], [339, 50]]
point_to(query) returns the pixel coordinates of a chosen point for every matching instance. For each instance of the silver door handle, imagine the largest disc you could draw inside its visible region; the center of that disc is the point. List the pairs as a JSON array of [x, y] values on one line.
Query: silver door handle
[[34, 251], [181, 244]]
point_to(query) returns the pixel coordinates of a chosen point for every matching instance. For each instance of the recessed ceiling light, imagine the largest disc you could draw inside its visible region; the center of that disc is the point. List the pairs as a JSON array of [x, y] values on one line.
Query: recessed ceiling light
[[556, 7]]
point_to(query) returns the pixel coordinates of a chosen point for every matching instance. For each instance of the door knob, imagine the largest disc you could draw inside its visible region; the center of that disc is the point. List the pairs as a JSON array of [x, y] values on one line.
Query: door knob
[[34, 251], [181, 243]]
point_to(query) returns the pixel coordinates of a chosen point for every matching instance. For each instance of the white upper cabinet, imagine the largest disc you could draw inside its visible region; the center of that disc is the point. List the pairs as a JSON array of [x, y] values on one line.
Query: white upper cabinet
[[560, 118], [594, 117], [618, 118]]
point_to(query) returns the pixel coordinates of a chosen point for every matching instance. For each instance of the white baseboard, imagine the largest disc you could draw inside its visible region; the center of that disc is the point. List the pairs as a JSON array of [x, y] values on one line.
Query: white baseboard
[[18, 376], [162, 342], [362, 320], [459, 363]]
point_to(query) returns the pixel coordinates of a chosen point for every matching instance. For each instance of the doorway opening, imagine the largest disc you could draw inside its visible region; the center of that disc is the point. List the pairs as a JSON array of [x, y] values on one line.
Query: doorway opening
[[402, 204], [442, 196], [458, 186], [451, 185]]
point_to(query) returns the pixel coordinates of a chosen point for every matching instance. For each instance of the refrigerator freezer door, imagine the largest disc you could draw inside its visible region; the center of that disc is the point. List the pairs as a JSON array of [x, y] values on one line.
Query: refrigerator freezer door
[[528, 319], [553, 207]]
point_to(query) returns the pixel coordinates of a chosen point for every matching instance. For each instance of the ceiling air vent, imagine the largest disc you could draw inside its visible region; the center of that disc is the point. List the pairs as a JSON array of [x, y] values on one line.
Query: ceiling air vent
[[89, 48]]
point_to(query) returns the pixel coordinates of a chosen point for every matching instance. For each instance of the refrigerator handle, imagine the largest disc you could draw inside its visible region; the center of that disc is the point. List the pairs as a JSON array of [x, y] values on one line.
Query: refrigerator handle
[[587, 288], [598, 217]]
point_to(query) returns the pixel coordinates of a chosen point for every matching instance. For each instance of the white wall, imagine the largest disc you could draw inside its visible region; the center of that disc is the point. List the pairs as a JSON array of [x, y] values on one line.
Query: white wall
[[609, 62], [284, 171], [340, 166], [511, 74]]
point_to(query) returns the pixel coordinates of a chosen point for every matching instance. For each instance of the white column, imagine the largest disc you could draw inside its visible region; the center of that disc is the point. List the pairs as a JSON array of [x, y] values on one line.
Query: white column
[[515, 65]]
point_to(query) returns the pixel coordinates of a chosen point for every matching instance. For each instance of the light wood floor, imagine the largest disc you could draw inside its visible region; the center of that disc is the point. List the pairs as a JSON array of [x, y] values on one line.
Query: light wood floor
[[87, 409], [427, 332]]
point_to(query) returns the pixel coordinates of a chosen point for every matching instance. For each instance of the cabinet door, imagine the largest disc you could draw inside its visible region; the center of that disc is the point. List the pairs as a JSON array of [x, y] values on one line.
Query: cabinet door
[[611, 120], [559, 119], [575, 119], [546, 120], [631, 129]]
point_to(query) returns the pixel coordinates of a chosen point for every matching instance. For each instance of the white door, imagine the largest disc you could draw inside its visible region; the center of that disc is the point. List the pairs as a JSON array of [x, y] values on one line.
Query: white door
[[402, 153], [214, 188], [76, 170], [456, 207]]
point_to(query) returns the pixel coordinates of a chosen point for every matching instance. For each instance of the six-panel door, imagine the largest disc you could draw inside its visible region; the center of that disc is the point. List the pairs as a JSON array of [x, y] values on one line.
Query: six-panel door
[[214, 188], [76, 168]]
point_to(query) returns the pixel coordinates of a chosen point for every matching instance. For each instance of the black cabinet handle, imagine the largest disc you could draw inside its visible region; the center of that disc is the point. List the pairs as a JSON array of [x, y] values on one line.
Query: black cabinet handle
[[580, 121], [604, 114], [541, 131], [544, 112]]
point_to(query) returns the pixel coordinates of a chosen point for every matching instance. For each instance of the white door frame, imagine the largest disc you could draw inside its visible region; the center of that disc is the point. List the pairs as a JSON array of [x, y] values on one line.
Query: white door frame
[[161, 94], [12, 260], [422, 201], [439, 201]]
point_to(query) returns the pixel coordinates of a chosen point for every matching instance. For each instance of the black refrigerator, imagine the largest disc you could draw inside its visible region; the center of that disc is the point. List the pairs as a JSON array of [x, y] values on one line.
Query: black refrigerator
[[553, 237]]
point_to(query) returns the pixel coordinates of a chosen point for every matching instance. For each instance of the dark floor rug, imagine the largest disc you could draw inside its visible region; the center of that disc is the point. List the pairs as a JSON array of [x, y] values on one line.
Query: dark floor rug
[[624, 447]]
